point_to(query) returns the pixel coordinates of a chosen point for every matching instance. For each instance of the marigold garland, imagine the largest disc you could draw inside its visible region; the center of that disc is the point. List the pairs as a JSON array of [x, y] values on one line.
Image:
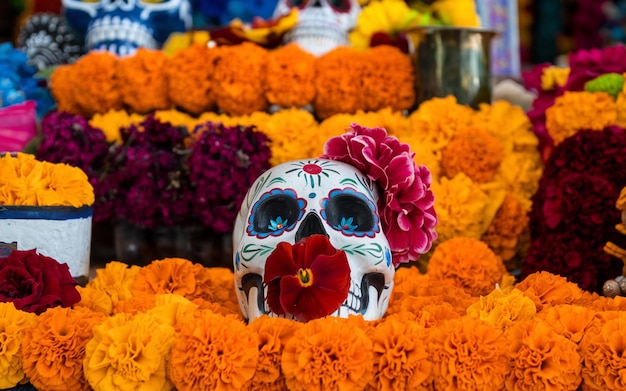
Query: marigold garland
[[189, 75], [328, 353], [290, 76], [142, 80], [54, 348], [239, 83], [213, 353], [13, 325]]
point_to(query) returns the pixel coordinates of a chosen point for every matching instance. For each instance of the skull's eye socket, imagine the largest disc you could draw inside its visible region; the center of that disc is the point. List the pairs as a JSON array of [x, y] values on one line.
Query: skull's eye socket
[[350, 212], [340, 6], [297, 3], [275, 214]]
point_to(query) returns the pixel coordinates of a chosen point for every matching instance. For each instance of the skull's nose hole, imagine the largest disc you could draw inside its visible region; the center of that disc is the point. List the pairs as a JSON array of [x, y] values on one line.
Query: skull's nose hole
[[311, 225]]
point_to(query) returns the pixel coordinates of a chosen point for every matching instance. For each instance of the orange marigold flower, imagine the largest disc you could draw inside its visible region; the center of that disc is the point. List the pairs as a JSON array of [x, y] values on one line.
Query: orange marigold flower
[[603, 359], [620, 104], [97, 89], [571, 321], [574, 111], [328, 353], [168, 275], [503, 235], [129, 350], [290, 76], [140, 302], [189, 75], [469, 263], [546, 289], [142, 80], [13, 325], [389, 79], [474, 152], [501, 309], [239, 79], [541, 358], [54, 348], [429, 311], [336, 82], [509, 124], [215, 284], [115, 279], [213, 352], [401, 359], [603, 303], [468, 353], [95, 299], [437, 120], [273, 334], [63, 88]]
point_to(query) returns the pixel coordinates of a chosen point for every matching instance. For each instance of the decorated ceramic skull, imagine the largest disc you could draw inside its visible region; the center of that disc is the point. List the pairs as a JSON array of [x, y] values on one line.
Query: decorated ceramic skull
[[297, 199], [122, 26], [322, 24]]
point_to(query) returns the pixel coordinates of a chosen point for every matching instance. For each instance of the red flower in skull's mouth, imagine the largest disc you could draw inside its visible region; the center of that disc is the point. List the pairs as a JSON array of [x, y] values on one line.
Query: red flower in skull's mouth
[[309, 279]]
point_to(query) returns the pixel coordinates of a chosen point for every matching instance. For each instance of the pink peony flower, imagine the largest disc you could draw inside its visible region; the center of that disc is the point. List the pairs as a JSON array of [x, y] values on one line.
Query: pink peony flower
[[406, 201]]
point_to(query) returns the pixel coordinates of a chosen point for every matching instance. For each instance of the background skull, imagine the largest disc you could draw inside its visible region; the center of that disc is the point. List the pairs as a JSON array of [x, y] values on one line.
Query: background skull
[[297, 199], [322, 24], [122, 26]]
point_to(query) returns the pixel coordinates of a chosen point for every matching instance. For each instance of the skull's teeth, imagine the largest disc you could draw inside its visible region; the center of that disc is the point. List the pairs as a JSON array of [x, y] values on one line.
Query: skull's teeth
[[118, 35]]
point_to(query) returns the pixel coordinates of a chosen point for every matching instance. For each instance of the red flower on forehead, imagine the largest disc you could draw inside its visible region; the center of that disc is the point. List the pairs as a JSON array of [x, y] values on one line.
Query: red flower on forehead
[[309, 279]]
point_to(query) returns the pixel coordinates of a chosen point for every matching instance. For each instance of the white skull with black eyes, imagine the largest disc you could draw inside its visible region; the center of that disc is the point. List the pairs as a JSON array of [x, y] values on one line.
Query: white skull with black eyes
[[322, 24], [301, 198]]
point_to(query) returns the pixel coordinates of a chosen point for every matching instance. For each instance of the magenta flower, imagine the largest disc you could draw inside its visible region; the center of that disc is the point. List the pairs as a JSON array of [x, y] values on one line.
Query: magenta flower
[[406, 200]]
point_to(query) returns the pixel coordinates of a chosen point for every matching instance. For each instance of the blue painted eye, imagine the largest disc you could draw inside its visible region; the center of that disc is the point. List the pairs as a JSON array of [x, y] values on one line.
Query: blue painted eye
[[350, 212], [275, 212]]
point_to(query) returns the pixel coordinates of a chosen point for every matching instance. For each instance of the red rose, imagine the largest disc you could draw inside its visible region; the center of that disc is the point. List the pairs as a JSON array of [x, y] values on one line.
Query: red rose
[[34, 282]]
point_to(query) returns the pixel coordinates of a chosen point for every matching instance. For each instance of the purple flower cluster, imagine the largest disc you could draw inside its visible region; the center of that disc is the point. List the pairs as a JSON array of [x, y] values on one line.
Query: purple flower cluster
[[574, 214], [223, 164]]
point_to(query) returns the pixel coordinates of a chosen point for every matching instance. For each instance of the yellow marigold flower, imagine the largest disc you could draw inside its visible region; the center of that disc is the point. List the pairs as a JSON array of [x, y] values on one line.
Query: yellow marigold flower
[[503, 234], [401, 359], [437, 120], [541, 358], [509, 123], [468, 353], [553, 76], [572, 321], [386, 16], [113, 121], [129, 350], [469, 263], [54, 348], [224, 353], [519, 173], [26, 181], [474, 152], [456, 12], [13, 325], [290, 131], [95, 299], [273, 334], [115, 279], [574, 111], [177, 118], [461, 208], [547, 289], [502, 309], [328, 353], [174, 310]]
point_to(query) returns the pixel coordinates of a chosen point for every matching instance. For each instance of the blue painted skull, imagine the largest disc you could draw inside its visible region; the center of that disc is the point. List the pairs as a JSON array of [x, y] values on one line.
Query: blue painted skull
[[122, 26]]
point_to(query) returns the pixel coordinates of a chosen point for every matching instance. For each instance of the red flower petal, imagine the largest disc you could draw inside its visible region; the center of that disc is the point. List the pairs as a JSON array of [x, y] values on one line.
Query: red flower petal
[[280, 262]]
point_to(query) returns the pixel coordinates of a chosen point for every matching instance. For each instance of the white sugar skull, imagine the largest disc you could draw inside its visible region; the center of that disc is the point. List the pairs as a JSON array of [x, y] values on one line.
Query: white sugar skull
[[301, 198], [122, 26], [322, 24]]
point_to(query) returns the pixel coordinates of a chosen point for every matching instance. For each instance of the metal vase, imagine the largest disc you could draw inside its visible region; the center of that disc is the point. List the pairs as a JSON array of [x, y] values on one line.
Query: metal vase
[[454, 61]]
